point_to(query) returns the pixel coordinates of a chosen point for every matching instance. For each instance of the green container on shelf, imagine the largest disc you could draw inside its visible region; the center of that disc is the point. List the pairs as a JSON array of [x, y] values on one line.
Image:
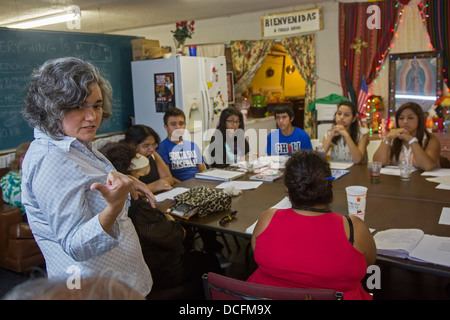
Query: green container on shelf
[[258, 108], [259, 101]]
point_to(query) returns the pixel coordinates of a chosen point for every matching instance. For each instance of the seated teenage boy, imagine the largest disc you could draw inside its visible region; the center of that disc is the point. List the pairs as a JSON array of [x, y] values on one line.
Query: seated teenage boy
[[184, 158], [287, 139]]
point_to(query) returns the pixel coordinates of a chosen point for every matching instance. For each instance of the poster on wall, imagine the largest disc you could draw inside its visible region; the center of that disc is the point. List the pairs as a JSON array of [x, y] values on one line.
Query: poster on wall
[[289, 23], [164, 91], [415, 77]]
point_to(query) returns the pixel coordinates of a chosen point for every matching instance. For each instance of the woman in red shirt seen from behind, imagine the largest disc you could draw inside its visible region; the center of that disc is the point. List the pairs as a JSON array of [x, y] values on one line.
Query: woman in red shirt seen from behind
[[308, 245]]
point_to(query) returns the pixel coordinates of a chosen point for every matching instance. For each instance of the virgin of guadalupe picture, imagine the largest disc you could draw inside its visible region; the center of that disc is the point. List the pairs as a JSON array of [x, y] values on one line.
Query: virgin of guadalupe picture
[[416, 81], [164, 92]]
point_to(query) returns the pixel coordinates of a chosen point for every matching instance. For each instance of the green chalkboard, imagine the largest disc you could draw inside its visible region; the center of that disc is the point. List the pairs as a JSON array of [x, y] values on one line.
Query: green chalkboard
[[22, 51]]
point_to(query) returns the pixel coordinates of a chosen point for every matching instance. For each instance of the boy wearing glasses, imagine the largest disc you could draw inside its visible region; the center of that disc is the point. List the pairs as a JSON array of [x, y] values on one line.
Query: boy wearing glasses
[[184, 158], [287, 139]]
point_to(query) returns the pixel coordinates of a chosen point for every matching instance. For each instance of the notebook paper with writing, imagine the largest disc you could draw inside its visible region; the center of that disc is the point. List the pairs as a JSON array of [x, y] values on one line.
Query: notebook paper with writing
[[413, 244]]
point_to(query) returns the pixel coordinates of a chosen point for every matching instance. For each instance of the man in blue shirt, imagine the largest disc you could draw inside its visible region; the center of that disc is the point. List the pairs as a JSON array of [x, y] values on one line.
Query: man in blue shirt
[[184, 158], [287, 139]]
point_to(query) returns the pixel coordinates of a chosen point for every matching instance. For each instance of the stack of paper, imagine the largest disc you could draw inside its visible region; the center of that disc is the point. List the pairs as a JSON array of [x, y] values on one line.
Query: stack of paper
[[397, 242], [340, 165], [219, 175], [441, 176], [413, 244], [240, 185]]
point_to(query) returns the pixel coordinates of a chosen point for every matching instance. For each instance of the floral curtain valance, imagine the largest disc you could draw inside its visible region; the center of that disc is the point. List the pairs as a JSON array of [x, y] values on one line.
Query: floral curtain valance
[[302, 51], [247, 56]]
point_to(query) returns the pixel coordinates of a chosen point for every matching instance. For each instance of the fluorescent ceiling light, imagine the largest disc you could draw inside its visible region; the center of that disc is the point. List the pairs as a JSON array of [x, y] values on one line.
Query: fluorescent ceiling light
[[73, 13], [408, 96]]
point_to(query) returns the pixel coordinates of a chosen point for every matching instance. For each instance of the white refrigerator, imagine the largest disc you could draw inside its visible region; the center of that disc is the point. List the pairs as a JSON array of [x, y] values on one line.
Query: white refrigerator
[[325, 116], [196, 85]]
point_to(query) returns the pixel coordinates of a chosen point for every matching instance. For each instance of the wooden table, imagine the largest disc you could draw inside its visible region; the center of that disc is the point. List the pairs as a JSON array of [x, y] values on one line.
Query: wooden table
[[392, 186], [250, 204], [391, 203]]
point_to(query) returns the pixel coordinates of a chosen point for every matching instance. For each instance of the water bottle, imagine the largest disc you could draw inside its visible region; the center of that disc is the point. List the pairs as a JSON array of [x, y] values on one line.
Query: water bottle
[[320, 150]]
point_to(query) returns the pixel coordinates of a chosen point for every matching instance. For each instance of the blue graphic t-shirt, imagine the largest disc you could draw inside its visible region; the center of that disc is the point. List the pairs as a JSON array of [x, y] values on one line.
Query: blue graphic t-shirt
[[181, 158], [279, 144]]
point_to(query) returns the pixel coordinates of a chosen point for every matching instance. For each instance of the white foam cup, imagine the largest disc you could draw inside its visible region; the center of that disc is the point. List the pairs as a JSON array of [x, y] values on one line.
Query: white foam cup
[[356, 200]]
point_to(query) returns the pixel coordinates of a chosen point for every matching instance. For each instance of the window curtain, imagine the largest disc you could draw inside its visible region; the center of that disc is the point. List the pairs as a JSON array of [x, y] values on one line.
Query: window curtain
[[360, 47], [410, 36], [302, 51], [247, 56], [436, 14], [211, 50]]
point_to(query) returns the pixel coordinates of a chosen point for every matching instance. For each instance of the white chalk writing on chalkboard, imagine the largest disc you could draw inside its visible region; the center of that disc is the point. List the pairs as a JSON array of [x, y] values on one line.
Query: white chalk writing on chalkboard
[[23, 50]]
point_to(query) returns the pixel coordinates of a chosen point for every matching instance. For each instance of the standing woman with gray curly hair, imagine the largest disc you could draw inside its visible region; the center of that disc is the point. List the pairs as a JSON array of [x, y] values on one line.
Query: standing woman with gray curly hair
[[76, 202], [308, 245]]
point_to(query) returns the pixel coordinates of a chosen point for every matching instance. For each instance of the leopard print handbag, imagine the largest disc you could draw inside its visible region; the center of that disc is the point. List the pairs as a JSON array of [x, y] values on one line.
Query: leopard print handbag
[[207, 199]]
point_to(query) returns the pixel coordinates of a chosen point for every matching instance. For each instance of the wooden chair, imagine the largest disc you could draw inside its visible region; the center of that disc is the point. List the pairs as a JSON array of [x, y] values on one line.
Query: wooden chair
[[218, 287]]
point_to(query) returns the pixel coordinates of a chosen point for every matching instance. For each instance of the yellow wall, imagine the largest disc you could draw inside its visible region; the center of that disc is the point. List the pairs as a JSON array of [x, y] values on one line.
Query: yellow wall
[[294, 83]]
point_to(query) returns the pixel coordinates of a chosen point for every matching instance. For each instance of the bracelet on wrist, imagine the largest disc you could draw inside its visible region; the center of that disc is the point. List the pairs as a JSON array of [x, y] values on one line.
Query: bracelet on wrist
[[413, 140]]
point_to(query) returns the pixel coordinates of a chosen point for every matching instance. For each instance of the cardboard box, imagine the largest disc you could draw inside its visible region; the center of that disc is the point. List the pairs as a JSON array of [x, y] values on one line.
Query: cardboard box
[[145, 49], [165, 50]]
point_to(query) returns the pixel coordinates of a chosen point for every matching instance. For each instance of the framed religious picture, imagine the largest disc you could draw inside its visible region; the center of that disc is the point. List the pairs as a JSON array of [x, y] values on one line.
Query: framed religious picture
[[230, 86], [164, 91], [415, 77]]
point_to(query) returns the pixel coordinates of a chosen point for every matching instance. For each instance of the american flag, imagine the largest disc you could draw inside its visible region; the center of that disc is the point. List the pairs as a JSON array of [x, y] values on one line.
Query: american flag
[[362, 97]]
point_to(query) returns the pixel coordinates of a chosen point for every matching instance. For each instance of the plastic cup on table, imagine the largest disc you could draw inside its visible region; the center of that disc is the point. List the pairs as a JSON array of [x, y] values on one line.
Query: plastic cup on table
[[356, 200]]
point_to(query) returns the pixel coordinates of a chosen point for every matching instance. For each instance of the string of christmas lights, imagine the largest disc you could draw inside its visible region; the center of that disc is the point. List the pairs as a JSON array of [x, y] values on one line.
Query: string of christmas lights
[[381, 66]]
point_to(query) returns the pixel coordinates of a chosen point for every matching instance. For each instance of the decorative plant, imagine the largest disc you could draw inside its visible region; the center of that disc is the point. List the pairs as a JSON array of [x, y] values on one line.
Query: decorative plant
[[184, 30], [443, 101]]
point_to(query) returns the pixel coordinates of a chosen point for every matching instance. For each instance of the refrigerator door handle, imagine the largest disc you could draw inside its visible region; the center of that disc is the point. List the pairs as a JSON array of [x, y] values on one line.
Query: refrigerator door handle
[[205, 105]]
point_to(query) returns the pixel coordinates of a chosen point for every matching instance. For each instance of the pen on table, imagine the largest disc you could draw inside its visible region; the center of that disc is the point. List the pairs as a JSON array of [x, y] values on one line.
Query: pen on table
[[227, 218], [330, 178]]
